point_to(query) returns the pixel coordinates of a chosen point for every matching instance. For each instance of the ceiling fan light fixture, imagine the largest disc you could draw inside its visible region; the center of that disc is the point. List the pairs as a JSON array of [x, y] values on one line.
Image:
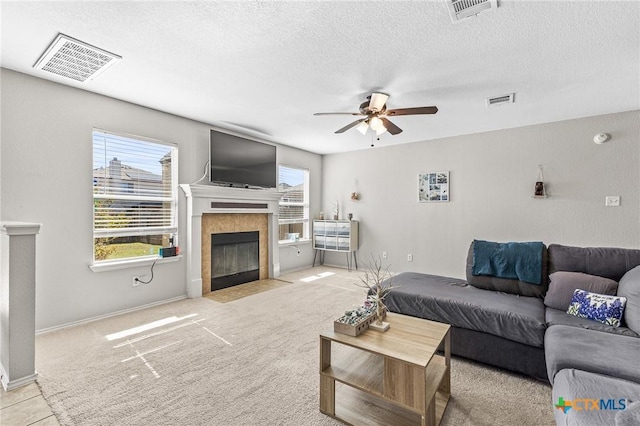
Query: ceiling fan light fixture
[[376, 124], [375, 113], [377, 101], [362, 127]]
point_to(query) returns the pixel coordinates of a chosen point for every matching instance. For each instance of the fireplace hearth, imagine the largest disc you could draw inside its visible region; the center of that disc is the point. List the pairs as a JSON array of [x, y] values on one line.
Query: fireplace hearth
[[235, 258]]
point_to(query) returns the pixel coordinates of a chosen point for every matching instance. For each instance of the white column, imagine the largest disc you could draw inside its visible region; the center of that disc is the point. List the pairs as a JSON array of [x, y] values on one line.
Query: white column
[[191, 250], [18, 304], [274, 249]]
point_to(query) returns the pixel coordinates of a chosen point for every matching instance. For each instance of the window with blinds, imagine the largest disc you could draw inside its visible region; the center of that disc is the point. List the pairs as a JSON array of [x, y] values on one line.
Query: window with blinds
[[134, 196], [294, 204]]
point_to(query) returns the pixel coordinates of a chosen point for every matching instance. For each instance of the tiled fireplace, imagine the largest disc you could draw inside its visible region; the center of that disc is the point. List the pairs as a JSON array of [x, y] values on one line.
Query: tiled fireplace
[[223, 226], [215, 212], [235, 259]]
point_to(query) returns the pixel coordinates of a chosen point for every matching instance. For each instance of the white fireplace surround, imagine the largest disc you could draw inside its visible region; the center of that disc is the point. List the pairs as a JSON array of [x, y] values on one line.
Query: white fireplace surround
[[199, 201]]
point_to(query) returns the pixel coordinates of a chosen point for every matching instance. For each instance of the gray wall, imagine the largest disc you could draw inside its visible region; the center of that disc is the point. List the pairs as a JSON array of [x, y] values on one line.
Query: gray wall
[[492, 179], [46, 164]]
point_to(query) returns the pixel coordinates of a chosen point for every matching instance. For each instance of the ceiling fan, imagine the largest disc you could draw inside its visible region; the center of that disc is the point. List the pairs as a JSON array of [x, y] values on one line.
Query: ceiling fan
[[375, 113]]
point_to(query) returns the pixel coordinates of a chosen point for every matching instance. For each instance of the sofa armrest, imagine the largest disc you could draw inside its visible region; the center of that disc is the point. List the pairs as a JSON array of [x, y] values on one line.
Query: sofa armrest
[[594, 351]]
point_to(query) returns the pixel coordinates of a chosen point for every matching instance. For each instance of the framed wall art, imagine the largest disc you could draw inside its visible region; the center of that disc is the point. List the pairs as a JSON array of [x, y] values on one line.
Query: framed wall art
[[433, 187]]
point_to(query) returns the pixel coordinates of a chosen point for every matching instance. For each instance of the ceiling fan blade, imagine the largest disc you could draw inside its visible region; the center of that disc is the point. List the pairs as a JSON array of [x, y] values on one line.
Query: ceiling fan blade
[[337, 113], [412, 111], [377, 101], [351, 125], [391, 128]]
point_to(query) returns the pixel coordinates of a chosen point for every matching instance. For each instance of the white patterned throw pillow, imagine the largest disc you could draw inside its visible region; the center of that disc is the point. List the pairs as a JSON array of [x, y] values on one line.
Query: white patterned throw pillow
[[598, 307]]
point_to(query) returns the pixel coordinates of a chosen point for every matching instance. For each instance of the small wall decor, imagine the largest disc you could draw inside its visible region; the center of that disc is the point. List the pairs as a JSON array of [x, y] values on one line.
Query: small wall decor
[[336, 210], [355, 196], [539, 191], [433, 187]]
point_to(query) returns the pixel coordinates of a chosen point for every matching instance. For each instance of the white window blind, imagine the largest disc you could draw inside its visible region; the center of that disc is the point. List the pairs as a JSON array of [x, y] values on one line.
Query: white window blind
[[294, 204], [134, 194]]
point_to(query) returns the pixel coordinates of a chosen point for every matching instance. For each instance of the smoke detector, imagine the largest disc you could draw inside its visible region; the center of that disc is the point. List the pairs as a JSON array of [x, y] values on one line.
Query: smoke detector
[[601, 138], [509, 98], [462, 9], [74, 59]]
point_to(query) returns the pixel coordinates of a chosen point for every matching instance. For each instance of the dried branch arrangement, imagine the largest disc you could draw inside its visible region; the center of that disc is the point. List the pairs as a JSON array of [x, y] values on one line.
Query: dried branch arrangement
[[379, 282]]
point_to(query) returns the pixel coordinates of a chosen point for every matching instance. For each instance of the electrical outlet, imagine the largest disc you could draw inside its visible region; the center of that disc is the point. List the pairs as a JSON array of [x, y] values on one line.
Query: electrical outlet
[[135, 282], [409, 258], [385, 255], [612, 201]]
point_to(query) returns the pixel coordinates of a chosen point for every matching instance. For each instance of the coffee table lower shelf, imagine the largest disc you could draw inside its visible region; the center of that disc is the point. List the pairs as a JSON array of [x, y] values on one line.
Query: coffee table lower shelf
[[397, 378], [354, 407]]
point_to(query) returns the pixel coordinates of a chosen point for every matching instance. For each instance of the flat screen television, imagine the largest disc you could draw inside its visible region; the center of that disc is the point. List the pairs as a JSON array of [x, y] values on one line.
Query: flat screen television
[[240, 162]]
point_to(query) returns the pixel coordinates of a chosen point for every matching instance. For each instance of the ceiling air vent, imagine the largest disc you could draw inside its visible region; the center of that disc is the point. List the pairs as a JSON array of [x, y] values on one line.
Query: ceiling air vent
[[74, 59], [501, 100], [462, 9]]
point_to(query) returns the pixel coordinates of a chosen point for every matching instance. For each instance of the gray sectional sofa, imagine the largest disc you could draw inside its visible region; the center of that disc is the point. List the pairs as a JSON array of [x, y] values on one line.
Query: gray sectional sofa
[[525, 328]]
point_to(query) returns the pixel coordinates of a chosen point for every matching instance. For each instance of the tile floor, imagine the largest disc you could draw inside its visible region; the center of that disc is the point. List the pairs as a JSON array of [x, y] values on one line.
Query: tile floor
[[25, 406], [236, 292]]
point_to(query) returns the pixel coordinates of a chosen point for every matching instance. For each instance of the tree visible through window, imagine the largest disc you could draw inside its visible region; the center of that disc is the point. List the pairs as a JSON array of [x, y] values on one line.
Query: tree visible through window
[[134, 196], [294, 204]]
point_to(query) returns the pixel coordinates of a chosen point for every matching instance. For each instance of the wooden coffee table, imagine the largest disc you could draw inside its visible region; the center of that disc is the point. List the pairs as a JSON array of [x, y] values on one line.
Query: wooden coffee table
[[387, 378]]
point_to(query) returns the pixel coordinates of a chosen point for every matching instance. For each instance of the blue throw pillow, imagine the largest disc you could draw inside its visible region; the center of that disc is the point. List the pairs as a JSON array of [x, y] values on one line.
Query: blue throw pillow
[[598, 307]]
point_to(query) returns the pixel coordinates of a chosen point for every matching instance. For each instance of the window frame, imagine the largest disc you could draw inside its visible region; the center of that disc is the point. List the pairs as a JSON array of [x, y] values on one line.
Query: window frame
[[305, 204], [132, 261]]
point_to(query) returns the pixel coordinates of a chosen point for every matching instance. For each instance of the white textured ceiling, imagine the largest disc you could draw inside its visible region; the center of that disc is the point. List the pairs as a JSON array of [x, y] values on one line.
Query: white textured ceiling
[[264, 67]]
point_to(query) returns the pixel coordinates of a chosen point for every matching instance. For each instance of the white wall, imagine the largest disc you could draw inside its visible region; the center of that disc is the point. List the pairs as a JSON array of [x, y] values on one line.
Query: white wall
[[46, 164], [492, 179]]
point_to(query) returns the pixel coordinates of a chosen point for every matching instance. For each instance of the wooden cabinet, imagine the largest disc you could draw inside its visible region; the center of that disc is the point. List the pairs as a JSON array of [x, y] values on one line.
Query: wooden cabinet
[[336, 235]]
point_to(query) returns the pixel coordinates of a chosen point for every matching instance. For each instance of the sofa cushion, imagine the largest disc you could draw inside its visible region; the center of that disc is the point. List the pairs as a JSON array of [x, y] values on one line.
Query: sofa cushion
[[454, 302], [562, 284], [606, 262], [573, 386], [630, 416], [558, 317], [597, 307], [629, 287], [594, 351], [506, 285]]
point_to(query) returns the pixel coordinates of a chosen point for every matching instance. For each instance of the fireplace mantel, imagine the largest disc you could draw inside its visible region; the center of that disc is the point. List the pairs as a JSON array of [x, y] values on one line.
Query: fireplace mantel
[[205, 199]]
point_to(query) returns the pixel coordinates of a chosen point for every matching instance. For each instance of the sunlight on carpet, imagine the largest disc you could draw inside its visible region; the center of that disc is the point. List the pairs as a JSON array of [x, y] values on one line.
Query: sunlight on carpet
[[146, 327], [317, 277]]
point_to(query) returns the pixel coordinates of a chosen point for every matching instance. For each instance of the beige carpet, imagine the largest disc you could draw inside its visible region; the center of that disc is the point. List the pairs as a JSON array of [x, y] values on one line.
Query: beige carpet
[[247, 362]]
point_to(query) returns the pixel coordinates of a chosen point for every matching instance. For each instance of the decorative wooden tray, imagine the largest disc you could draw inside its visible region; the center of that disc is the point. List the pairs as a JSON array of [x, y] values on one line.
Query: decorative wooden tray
[[355, 328]]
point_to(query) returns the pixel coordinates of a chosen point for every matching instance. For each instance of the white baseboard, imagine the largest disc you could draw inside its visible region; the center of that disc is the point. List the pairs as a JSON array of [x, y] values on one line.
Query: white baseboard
[[8, 384], [331, 265], [109, 315], [292, 270]]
